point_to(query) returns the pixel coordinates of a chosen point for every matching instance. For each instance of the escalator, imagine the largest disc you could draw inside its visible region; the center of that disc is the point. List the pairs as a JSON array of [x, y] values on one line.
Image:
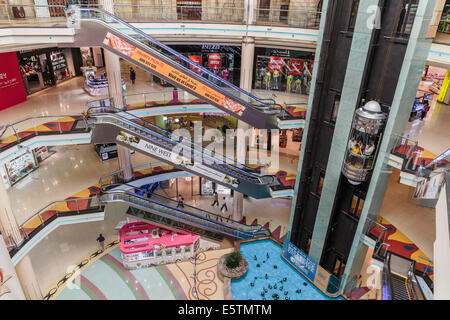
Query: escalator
[[140, 135], [96, 27], [401, 282], [160, 209]]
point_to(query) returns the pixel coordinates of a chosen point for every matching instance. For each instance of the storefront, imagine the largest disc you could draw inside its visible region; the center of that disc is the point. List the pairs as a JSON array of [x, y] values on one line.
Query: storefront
[[224, 61], [283, 70], [20, 167], [42, 68], [12, 88]]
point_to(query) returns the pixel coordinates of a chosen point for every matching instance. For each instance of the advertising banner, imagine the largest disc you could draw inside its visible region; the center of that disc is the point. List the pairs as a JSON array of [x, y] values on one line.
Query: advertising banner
[[301, 261], [172, 73], [296, 66], [276, 63], [197, 60], [215, 60], [176, 158], [12, 89]]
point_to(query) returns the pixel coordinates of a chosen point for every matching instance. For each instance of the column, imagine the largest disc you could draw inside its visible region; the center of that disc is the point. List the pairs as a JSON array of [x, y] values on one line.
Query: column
[[8, 222], [247, 56], [28, 280], [250, 12], [112, 63], [10, 288]]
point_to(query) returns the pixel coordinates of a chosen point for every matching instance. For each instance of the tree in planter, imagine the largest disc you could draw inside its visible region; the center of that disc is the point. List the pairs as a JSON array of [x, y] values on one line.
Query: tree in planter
[[233, 260]]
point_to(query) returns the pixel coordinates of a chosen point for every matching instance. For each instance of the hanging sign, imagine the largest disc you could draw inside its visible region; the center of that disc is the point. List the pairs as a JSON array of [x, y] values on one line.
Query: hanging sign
[[276, 63], [215, 60], [197, 60], [296, 66]]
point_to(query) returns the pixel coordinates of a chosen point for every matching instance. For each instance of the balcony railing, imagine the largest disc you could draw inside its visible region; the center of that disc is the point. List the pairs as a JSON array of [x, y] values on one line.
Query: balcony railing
[[55, 15]]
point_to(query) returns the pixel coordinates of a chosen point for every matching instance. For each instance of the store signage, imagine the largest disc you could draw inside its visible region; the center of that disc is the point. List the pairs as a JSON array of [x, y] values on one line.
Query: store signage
[[215, 60], [172, 73], [197, 60], [300, 260], [279, 52], [12, 89], [276, 63], [296, 66], [176, 158]]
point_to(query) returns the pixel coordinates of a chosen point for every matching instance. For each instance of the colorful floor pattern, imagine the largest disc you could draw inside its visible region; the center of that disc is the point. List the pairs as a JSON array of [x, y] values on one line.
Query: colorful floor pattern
[[426, 155], [401, 245], [81, 201], [65, 125], [107, 279], [296, 112]]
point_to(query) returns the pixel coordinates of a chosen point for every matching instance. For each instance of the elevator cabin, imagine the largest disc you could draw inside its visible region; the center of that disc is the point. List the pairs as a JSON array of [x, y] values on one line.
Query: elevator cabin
[[389, 40]]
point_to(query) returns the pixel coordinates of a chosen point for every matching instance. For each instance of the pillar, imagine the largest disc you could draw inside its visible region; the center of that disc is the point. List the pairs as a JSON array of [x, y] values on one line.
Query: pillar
[[28, 280], [8, 222], [247, 56], [112, 63], [250, 12], [10, 288]]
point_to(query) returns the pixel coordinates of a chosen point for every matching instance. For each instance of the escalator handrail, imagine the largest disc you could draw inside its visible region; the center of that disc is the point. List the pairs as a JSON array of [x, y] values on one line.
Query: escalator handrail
[[177, 54], [228, 169], [165, 135], [166, 132], [124, 192], [258, 227]]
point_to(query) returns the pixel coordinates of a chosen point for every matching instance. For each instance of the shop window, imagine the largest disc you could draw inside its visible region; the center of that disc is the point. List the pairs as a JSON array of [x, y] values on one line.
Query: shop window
[[339, 267], [353, 15], [284, 10], [308, 243], [356, 205], [320, 183], [189, 10], [264, 10], [334, 113], [406, 19], [177, 250]]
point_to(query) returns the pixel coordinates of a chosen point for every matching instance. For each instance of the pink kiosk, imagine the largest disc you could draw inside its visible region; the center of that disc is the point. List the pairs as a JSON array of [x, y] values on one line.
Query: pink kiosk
[[144, 245]]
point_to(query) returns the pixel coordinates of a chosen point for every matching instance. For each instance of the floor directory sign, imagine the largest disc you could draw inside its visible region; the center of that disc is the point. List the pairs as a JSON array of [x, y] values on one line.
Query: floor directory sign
[[172, 73]]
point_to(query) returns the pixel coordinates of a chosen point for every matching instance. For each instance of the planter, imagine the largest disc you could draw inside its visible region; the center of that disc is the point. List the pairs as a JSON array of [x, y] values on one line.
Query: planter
[[233, 274]]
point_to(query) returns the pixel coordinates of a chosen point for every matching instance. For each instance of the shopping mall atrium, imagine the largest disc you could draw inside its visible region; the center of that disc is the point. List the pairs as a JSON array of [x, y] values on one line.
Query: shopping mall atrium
[[224, 150]]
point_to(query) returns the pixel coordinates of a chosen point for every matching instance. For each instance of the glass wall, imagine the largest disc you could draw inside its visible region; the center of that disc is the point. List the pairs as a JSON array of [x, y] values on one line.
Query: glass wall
[[283, 70]]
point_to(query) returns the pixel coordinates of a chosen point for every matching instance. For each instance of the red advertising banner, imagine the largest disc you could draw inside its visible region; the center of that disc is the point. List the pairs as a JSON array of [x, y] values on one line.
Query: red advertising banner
[[12, 90], [276, 63], [296, 66], [215, 60], [197, 60]]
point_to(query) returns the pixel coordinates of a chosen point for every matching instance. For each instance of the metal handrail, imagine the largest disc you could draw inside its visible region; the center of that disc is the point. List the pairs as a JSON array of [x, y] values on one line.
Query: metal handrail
[[121, 194], [169, 138], [171, 51]]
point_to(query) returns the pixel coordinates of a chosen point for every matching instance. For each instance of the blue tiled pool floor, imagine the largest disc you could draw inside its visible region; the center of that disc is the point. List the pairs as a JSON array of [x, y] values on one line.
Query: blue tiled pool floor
[[269, 277]]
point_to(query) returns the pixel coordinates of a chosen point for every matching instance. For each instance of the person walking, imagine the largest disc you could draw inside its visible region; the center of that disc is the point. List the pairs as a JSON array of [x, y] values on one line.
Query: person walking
[[101, 242], [425, 109], [224, 207], [180, 201], [132, 75], [216, 199]]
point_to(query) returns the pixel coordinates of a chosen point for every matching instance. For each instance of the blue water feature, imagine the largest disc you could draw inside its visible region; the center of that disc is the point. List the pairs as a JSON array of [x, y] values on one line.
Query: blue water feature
[[270, 277]]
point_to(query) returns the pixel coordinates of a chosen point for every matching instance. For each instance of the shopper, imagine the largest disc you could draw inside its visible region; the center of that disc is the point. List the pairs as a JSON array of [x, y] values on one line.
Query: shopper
[[425, 109], [224, 207], [101, 242], [216, 199], [180, 201], [132, 75], [175, 95], [289, 83]]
